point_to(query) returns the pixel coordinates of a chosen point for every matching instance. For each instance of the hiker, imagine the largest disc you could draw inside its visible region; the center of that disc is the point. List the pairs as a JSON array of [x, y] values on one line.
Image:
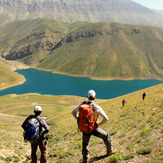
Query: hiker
[[88, 126], [38, 138], [144, 95], [123, 103]]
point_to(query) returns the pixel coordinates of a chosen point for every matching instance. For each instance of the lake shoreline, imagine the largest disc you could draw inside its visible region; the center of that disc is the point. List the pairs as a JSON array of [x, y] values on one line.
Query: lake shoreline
[[19, 66], [101, 78], [19, 81], [46, 82], [22, 79], [15, 65]]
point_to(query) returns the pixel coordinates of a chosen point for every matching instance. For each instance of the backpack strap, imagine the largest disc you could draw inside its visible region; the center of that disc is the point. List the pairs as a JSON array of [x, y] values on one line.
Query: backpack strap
[[91, 103], [84, 102]]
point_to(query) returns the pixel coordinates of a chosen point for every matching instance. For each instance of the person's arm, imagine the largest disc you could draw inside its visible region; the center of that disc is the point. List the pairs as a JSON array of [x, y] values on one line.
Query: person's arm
[[100, 112], [74, 112], [44, 125]]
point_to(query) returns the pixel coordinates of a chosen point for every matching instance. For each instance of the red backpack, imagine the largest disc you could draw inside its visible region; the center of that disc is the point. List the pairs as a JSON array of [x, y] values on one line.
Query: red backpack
[[86, 120]]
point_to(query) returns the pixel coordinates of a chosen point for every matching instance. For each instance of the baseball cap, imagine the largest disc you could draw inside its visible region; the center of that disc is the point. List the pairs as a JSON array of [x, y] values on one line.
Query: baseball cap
[[38, 109], [91, 93]]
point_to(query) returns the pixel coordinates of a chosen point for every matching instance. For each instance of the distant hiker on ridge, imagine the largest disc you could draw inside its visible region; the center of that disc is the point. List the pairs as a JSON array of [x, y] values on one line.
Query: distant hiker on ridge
[[144, 95], [33, 127], [88, 125], [123, 103]]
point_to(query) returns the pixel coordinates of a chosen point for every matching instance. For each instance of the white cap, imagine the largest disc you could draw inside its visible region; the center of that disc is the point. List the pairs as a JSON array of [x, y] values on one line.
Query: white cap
[[91, 93], [38, 109]]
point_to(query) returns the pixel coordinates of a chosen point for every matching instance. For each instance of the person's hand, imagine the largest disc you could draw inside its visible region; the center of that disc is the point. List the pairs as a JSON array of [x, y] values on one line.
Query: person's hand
[[97, 124]]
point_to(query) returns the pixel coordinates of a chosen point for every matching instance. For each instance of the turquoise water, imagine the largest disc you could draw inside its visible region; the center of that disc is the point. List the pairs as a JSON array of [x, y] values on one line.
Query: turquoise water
[[43, 82]]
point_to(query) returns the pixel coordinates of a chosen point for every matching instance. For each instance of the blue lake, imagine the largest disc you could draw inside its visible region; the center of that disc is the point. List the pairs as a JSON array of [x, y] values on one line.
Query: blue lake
[[43, 82]]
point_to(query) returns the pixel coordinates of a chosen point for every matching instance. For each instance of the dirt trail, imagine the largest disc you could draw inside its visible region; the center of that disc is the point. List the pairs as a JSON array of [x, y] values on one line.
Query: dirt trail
[[8, 115]]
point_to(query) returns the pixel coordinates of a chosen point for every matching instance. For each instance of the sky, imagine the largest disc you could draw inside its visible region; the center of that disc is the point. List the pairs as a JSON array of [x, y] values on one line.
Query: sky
[[152, 4]]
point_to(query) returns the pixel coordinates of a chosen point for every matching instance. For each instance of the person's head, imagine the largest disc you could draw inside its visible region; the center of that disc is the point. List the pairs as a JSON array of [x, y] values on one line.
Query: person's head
[[91, 95], [37, 110]]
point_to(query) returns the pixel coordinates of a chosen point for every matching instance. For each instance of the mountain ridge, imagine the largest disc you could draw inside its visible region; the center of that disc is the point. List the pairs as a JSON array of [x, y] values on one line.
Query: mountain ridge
[[122, 11]]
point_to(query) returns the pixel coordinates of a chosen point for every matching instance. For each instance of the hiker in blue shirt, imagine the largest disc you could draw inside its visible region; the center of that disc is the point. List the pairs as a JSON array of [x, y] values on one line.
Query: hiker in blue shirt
[[39, 138]]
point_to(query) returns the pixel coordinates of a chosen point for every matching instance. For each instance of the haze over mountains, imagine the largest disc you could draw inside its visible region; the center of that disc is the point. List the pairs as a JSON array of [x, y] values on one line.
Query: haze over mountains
[[121, 11]]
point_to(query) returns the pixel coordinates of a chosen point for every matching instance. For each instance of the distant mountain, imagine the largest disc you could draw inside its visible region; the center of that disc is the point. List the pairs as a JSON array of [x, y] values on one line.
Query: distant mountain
[[159, 12], [121, 11], [96, 50]]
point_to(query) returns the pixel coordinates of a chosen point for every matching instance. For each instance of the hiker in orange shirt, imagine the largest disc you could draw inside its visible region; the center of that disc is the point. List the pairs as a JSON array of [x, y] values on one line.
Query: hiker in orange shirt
[[88, 126]]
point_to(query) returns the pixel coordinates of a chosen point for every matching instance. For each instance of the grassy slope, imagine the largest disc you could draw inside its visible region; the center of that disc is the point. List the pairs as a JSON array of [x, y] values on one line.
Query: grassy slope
[[108, 50], [31, 38], [96, 50], [135, 127], [8, 77]]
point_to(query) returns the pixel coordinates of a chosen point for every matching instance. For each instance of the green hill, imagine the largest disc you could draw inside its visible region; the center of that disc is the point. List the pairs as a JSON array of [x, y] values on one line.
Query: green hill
[[8, 78], [95, 50], [108, 50], [30, 41], [136, 129]]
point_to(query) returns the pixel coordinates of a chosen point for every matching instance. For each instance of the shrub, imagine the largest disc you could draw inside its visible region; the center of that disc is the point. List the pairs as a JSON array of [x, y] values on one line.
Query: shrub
[[150, 120], [122, 135], [138, 139], [122, 141], [1, 158], [144, 151], [145, 132], [80, 144], [130, 146], [129, 156], [63, 161], [158, 158], [16, 159], [113, 133], [115, 158], [8, 159]]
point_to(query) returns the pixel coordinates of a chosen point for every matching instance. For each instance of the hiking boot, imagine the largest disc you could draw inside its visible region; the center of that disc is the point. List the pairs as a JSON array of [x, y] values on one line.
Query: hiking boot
[[112, 152]]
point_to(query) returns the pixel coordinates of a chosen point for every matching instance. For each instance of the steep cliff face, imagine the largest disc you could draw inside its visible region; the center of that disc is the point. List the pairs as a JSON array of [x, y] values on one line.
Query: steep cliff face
[[123, 11]]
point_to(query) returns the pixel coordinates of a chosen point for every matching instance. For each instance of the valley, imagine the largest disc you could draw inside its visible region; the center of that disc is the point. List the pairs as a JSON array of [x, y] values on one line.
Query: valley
[[95, 50], [101, 40]]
